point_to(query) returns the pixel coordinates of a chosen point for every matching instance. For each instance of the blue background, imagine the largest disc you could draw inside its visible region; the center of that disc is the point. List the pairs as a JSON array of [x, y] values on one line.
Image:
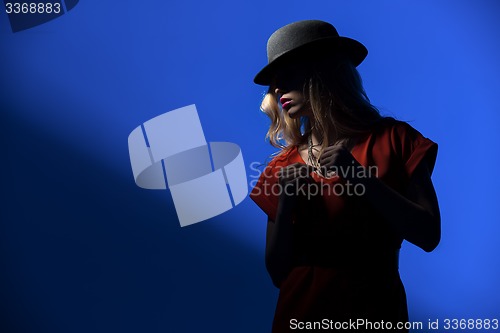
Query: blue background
[[83, 249]]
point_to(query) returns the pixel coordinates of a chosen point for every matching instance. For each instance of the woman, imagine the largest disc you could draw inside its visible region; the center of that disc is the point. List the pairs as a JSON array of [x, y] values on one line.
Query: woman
[[346, 189]]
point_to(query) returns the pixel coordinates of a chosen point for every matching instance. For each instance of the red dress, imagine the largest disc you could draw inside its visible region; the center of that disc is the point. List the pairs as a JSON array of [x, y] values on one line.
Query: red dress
[[345, 254]]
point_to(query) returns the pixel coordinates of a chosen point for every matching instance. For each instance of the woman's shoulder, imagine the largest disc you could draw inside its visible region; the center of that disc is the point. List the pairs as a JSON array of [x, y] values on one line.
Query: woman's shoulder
[[284, 156], [394, 129], [385, 124], [404, 141]]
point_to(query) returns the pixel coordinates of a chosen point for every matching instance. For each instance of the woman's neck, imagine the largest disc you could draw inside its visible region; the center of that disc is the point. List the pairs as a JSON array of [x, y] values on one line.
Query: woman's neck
[[317, 136], [333, 138]]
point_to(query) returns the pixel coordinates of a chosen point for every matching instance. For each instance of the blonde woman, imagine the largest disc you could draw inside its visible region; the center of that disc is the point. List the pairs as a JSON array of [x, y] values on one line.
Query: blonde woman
[[347, 187]]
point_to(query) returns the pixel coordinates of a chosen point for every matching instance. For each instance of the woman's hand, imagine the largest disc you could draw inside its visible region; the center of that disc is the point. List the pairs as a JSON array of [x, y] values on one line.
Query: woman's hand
[[338, 158], [414, 215], [293, 179]]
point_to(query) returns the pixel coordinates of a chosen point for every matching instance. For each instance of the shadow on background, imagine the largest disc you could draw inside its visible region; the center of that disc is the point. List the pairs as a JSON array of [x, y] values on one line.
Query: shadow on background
[[83, 250]]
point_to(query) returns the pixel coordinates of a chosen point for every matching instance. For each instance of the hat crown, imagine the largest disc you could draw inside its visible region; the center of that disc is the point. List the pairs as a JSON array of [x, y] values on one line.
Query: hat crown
[[306, 41], [297, 34]]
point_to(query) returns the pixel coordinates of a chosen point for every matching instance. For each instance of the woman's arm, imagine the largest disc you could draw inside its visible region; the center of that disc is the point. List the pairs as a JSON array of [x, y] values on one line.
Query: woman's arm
[[415, 216], [279, 235], [279, 244]]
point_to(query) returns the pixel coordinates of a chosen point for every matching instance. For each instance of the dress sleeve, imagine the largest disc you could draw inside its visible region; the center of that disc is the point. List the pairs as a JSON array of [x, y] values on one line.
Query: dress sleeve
[[413, 147], [267, 190]]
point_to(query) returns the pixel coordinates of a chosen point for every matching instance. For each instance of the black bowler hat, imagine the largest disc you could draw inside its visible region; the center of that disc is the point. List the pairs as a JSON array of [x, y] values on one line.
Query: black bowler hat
[[309, 39]]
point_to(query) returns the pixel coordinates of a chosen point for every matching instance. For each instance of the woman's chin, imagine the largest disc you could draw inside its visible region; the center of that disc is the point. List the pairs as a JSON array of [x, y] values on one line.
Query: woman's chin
[[293, 113], [297, 111]]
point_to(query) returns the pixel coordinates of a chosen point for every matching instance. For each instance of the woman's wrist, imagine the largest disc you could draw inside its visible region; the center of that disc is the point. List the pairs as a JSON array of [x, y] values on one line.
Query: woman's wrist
[[286, 206]]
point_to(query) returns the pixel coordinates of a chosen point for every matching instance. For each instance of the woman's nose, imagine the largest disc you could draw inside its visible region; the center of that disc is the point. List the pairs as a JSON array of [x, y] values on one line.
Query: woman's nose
[[279, 91]]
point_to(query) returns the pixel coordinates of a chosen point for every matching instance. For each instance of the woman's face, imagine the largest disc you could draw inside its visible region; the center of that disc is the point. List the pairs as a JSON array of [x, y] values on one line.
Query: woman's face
[[289, 90]]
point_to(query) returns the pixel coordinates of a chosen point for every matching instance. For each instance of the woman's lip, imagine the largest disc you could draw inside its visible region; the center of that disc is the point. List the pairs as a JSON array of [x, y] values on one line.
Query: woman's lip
[[283, 100], [286, 104]]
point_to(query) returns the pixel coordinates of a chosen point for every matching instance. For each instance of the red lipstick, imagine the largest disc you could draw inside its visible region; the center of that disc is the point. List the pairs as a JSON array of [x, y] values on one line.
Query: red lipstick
[[285, 102]]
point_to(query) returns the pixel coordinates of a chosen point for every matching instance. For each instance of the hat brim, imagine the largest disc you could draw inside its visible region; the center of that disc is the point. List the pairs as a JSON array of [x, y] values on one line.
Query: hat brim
[[354, 50]]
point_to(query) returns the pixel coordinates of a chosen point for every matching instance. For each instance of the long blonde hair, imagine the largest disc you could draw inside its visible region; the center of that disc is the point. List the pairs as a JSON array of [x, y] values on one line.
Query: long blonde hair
[[334, 89]]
